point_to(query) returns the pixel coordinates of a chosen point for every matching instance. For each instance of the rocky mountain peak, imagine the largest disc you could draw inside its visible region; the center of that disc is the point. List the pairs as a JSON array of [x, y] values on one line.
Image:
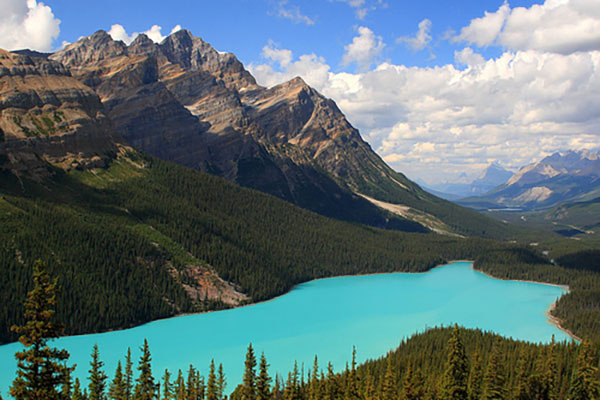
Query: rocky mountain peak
[[142, 45], [93, 49], [194, 54]]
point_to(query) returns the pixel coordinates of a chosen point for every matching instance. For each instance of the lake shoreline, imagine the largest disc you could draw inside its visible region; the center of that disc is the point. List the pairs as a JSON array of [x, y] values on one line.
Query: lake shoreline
[[551, 318]]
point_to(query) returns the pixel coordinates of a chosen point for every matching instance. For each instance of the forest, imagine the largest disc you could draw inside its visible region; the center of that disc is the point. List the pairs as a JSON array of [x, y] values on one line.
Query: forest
[[121, 240], [441, 363]]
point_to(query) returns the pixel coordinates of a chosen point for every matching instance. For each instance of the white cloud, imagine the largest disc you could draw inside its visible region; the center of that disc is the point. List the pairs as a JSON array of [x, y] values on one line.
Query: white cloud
[[468, 57], [435, 123], [421, 38], [27, 24], [281, 68], [292, 13], [118, 32], [363, 7], [282, 56], [175, 29], [364, 48], [558, 26], [484, 31]]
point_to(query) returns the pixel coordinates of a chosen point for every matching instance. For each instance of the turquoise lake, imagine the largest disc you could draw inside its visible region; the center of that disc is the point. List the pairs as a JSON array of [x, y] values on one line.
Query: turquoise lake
[[324, 317]]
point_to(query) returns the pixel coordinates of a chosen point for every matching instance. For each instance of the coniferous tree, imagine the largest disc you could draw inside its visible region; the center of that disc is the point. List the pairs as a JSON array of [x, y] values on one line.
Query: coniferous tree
[[494, 380], [552, 370], [292, 385], [128, 378], [193, 384], [263, 381], [67, 387], [221, 382], [212, 391], [180, 393], [585, 384], [97, 386], [370, 392], [77, 394], [332, 384], [41, 369], [538, 385], [352, 385], [388, 387], [476, 378], [412, 384], [521, 380], [145, 389], [116, 390], [167, 388], [201, 387], [314, 381], [277, 392], [249, 378], [456, 375]]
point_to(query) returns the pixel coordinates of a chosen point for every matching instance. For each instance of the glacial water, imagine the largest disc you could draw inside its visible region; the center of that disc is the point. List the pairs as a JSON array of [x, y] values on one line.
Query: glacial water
[[324, 317]]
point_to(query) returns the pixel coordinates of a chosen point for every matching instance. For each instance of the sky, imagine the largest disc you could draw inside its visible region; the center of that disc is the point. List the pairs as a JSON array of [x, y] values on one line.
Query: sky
[[436, 87]]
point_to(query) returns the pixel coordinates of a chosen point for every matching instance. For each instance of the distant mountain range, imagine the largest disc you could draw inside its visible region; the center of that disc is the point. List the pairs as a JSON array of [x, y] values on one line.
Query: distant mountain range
[[490, 178], [571, 176]]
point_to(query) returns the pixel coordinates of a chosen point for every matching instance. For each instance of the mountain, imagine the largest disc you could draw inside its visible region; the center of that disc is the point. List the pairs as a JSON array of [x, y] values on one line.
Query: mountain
[[47, 116], [572, 176], [132, 238], [493, 176], [183, 101]]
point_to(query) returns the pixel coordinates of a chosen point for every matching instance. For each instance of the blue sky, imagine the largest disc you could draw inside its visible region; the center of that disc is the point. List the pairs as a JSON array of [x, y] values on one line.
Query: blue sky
[[322, 27], [437, 88]]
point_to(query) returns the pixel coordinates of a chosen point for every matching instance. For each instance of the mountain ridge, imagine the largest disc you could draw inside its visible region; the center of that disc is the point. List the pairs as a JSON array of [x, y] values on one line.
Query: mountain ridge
[[563, 177], [183, 101]]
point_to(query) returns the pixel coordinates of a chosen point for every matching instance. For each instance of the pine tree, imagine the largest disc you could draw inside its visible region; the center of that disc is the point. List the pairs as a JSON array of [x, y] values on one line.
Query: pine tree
[[116, 390], [412, 384], [192, 391], [292, 389], [277, 394], [494, 380], [388, 388], [221, 382], [180, 393], [456, 374], [66, 389], [167, 387], [584, 383], [263, 382], [552, 371], [370, 392], [521, 381], [201, 387], [333, 389], [145, 389], [476, 378], [77, 394], [97, 386], [352, 387], [128, 379], [314, 381], [41, 369], [212, 391], [249, 378]]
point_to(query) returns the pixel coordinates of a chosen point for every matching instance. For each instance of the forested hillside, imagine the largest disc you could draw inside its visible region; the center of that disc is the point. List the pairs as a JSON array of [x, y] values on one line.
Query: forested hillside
[[127, 243]]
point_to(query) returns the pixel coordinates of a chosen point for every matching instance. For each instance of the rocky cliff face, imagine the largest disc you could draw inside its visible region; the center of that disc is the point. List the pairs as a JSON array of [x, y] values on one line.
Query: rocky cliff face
[[47, 116], [182, 100]]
